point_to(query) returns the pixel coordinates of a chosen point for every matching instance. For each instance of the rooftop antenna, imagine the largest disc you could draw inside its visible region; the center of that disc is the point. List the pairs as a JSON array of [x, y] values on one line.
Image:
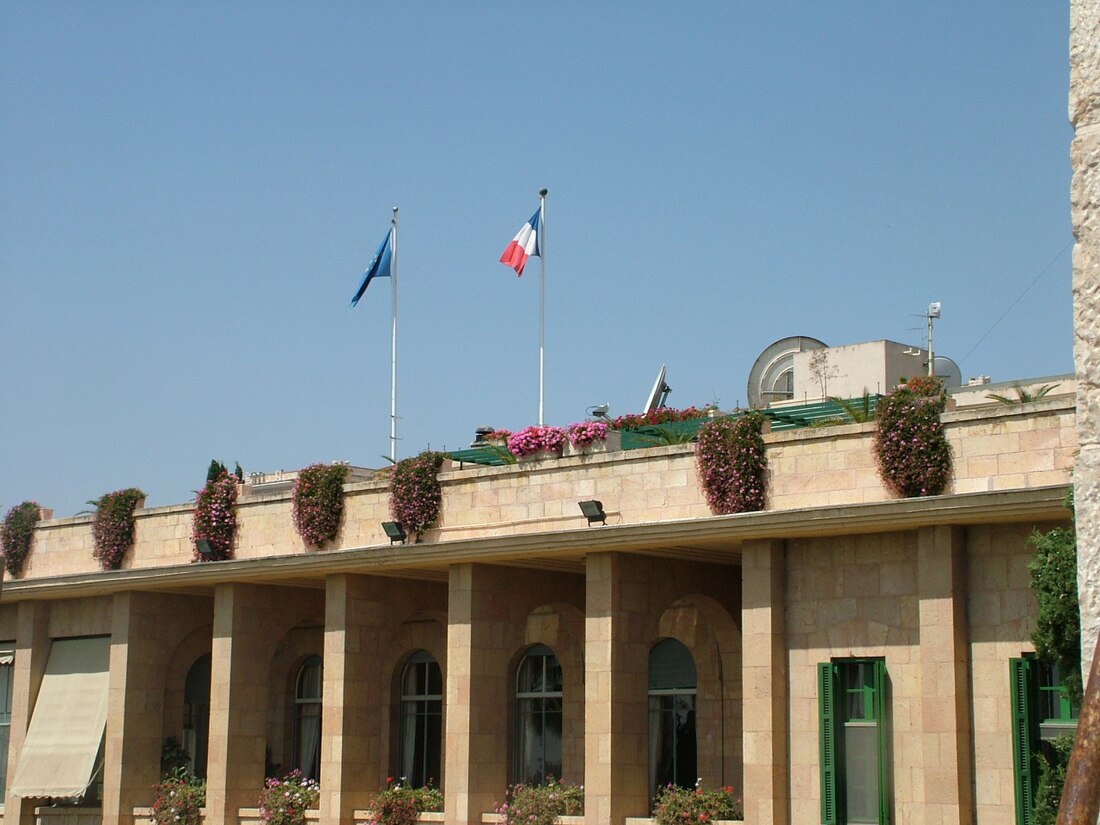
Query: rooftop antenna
[[933, 312]]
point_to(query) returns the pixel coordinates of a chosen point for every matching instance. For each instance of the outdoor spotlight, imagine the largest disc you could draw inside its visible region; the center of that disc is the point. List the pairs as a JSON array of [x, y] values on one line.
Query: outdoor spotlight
[[395, 532], [593, 511], [206, 550]]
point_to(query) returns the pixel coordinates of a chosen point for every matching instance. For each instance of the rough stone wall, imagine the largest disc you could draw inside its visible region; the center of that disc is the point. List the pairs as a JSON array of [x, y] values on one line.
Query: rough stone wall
[[1084, 114]]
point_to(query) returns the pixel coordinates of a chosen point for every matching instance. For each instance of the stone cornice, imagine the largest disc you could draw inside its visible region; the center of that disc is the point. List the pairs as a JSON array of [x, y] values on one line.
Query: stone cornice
[[716, 538]]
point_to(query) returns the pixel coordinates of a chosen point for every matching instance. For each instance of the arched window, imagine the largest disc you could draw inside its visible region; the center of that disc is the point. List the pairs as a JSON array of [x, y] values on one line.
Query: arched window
[[196, 714], [307, 719], [421, 721], [538, 717], [672, 685]]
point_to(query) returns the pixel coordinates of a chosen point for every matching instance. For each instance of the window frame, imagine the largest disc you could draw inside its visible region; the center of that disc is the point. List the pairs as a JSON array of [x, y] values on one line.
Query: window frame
[[833, 723], [301, 704], [534, 705], [683, 688], [421, 704]]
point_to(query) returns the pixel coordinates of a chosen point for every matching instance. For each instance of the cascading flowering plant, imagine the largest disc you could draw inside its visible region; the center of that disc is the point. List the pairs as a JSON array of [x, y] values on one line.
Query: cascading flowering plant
[[216, 517], [914, 458], [318, 502], [113, 526], [531, 440], [285, 801], [732, 464], [585, 433], [16, 534], [416, 497]]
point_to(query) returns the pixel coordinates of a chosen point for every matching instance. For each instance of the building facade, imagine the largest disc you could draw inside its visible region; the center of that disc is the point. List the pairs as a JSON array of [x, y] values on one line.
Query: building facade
[[841, 650]]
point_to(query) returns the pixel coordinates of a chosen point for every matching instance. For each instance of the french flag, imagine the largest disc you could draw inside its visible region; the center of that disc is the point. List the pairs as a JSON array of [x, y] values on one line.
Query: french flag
[[523, 246]]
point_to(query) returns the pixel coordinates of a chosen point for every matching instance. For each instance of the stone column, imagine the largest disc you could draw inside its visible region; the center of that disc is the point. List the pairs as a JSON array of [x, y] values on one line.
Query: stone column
[[1084, 114], [249, 622], [32, 651], [616, 720], [477, 698], [764, 677], [944, 671], [362, 619], [146, 629]]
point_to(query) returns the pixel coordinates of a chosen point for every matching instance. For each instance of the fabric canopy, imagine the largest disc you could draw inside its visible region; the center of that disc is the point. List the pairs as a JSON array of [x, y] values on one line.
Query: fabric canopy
[[59, 753]]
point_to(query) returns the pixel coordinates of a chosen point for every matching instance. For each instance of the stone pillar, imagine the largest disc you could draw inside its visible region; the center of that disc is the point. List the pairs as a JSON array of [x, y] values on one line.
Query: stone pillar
[[32, 651], [616, 720], [362, 618], [764, 677], [249, 622], [944, 671], [146, 629], [1084, 115], [477, 697], [356, 630]]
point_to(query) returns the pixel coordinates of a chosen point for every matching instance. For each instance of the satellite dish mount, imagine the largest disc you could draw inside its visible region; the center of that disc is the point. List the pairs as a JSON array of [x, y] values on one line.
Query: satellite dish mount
[[659, 394]]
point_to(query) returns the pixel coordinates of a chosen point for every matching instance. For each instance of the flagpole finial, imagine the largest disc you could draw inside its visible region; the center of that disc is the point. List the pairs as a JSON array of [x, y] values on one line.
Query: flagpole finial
[[543, 192], [395, 210]]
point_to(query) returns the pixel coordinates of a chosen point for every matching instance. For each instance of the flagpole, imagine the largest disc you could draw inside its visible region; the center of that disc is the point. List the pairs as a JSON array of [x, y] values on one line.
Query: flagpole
[[541, 240], [393, 344]]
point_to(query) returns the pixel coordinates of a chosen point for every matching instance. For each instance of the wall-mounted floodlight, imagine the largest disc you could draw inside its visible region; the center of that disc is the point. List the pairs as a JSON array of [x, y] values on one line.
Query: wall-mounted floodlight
[[205, 548], [395, 532], [593, 511]]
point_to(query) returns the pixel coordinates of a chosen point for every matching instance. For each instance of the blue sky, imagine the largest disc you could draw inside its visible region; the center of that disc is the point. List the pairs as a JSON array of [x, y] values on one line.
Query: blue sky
[[189, 193]]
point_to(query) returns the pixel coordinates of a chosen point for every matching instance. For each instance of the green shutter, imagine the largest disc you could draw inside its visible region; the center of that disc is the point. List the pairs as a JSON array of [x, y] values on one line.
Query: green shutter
[[880, 700], [1023, 757], [828, 724]]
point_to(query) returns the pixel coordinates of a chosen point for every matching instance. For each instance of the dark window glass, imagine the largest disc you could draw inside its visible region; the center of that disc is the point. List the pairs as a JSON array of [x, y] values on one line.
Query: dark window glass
[[196, 714], [421, 721], [307, 719], [538, 717], [672, 739]]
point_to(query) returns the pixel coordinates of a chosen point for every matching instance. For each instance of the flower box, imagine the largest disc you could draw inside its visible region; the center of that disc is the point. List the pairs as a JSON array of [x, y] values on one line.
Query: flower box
[[612, 443], [535, 457]]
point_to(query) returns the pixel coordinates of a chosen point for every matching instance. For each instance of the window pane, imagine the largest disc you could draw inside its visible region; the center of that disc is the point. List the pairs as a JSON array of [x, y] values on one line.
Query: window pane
[[671, 666], [421, 721], [861, 772]]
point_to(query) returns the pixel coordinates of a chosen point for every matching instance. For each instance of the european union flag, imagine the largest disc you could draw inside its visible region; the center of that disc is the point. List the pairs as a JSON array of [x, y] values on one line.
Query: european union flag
[[379, 266]]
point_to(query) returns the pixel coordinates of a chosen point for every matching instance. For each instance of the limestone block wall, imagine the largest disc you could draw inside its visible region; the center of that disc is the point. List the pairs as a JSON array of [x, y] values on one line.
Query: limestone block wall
[[995, 448], [1084, 114], [854, 596], [1002, 612]]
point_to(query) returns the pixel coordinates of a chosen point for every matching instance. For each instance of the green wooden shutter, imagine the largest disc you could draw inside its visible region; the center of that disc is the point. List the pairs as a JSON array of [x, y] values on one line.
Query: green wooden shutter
[[828, 724], [1023, 757], [883, 742]]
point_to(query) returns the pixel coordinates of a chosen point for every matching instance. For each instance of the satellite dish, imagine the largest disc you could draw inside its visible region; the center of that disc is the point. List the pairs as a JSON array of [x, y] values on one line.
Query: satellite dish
[[772, 375], [659, 394], [948, 372]]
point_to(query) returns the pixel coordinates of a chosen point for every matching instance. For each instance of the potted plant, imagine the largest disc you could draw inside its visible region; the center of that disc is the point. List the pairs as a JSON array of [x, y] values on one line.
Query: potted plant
[[537, 442], [541, 804], [591, 437], [285, 801], [402, 805], [732, 464], [416, 497], [215, 519], [675, 805]]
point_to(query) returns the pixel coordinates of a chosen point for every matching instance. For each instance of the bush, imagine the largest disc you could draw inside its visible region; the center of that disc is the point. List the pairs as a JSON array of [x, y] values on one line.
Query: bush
[[416, 497], [402, 805], [113, 526], [676, 806], [285, 801], [319, 502], [732, 464], [914, 458], [178, 799], [541, 804], [16, 535], [1052, 779]]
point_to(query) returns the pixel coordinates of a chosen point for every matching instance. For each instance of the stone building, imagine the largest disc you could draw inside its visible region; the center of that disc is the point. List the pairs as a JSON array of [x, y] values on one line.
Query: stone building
[[517, 640]]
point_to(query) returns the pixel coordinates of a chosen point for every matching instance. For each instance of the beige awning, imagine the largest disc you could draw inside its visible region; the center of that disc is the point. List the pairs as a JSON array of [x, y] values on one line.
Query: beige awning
[[58, 755]]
